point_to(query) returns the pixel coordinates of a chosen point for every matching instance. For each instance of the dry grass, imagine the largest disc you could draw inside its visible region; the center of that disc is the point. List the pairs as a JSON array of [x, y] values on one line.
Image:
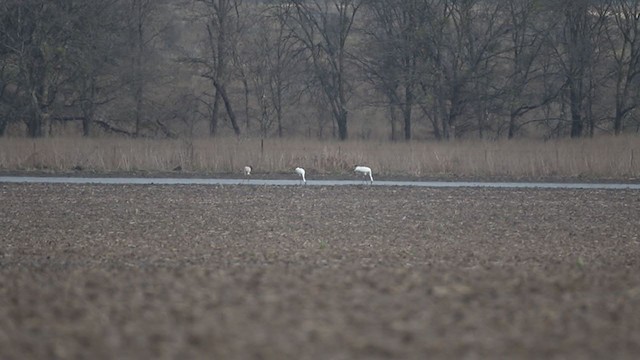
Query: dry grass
[[602, 157]]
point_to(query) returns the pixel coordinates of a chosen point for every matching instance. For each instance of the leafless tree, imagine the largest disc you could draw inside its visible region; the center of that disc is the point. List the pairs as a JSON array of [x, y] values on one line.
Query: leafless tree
[[323, 27], [221, 19], [393, 54], [272, 66], [574, 52], [144, 28], [461, 67], [525, 90], [34, 35], [96, 40], [624, 40], [465, 43]]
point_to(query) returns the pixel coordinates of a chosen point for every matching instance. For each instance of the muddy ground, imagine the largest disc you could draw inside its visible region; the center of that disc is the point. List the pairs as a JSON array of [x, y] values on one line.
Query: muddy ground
[[251, 272]]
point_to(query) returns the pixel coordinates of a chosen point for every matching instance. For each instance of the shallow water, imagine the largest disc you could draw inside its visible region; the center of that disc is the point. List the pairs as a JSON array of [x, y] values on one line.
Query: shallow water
[[271, 182]]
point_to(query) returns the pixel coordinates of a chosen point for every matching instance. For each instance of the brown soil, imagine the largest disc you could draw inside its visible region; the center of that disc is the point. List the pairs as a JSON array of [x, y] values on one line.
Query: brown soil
[[242, 272]]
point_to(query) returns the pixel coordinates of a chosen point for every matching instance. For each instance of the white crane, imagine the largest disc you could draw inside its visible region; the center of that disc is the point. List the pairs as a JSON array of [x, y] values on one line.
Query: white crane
[[247, 172], [364, 171], [300, 171]]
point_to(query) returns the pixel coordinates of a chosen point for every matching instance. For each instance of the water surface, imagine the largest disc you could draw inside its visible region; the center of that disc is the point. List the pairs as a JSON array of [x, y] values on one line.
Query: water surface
[[272, 182]]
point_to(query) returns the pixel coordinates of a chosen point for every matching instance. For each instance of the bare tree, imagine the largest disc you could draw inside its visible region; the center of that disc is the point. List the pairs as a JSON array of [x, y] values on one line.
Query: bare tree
[[523, 90], [393, 55], [271, 64], [96, 41], [574, 52], [284, 65], [34, 35], [624, 40], [221, 19], [144, 28], [434, 84], [323, 27], [469, 67], [463, 47]]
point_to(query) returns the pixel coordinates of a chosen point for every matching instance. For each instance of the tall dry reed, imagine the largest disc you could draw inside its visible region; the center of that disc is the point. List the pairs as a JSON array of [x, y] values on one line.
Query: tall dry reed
[[602, 157]]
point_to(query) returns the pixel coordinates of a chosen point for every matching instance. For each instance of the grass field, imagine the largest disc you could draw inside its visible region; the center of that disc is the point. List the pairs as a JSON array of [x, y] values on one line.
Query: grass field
[[598, 158], [352, 272]]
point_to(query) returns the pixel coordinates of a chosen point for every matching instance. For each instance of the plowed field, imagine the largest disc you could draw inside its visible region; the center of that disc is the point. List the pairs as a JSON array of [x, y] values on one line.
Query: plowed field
[[251, 272]]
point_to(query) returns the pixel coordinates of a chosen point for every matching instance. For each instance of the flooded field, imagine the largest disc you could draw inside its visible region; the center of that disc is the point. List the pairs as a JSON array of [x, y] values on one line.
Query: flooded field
[[321, 182], [318, 272]]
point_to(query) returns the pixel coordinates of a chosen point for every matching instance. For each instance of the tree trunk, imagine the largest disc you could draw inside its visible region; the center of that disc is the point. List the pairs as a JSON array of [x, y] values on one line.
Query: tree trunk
[[576, 111], [86, 126], [434, 111], [33, 125], [39, 122], [446, 128], [392, 119], [87, 118], [512, 125], [406, 112], [88, 107], [3, 125], [278, 107], [140, 47], [341, 119], [213, 123], [245, 84], [435, 122], [617, 122], [138, 110], [227, 104]]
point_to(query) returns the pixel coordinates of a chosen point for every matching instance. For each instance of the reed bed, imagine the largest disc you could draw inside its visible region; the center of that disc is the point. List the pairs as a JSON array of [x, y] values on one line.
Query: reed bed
[[601, 157]]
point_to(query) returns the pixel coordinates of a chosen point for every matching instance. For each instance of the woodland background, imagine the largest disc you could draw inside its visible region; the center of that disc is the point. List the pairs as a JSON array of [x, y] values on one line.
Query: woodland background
[[365, 69]]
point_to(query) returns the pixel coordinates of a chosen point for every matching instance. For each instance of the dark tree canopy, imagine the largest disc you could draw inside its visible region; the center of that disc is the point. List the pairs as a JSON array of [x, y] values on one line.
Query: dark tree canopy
[[403, 69]]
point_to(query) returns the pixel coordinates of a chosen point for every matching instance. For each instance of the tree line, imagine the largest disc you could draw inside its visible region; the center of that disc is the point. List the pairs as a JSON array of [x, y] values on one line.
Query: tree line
[[453, 68]]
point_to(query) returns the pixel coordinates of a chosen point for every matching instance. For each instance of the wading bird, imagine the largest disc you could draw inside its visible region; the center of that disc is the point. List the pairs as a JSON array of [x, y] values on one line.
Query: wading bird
[[364, 171], [300, 171], [247, 171]]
